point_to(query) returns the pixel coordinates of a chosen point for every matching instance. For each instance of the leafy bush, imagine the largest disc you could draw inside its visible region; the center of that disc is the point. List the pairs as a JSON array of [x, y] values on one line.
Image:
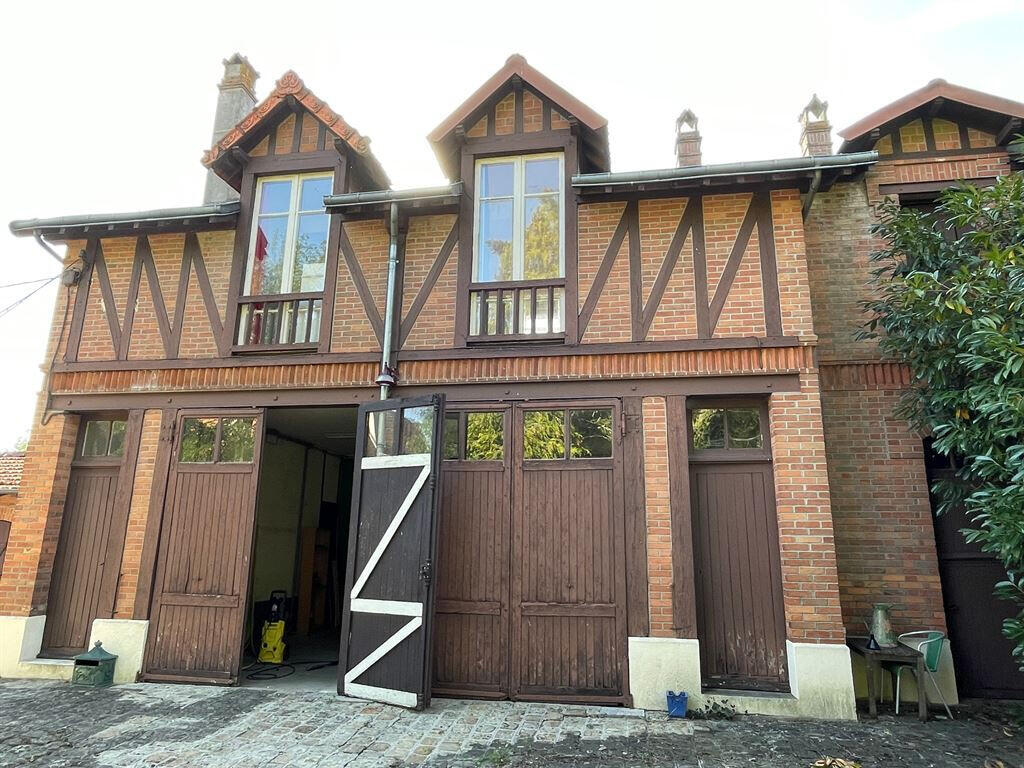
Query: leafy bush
[[949, 302]]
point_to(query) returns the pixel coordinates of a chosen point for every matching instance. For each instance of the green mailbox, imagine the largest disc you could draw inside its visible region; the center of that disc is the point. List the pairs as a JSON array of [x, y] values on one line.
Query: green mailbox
[[94, 668]]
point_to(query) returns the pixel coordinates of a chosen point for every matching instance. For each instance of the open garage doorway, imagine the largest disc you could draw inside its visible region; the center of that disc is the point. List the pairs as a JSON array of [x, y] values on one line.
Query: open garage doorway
[[299, 550]]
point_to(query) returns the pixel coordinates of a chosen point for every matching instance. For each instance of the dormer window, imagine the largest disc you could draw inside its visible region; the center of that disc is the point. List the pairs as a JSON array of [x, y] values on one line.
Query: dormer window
[[284, 276], [518, 288]]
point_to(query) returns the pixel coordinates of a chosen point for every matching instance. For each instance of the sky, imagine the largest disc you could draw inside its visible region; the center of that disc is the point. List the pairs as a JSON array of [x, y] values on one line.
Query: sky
[[110, 106]]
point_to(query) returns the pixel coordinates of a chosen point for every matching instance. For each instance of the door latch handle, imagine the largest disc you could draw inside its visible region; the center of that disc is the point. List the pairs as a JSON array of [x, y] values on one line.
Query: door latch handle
[[425, 572]]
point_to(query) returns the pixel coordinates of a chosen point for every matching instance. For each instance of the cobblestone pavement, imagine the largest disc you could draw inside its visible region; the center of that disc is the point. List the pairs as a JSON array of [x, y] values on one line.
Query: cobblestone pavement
[[54, 724]]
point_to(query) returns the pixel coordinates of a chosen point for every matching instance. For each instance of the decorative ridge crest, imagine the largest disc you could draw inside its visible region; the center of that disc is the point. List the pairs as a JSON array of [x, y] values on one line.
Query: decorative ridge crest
[[289, 85]]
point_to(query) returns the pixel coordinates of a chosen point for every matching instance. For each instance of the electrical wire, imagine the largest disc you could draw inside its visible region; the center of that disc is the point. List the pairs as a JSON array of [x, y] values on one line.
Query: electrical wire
[[6, 310], [28, 282]]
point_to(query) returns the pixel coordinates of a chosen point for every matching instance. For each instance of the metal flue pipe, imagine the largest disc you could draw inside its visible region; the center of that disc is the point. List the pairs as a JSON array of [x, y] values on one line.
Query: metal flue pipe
[[386, 378]]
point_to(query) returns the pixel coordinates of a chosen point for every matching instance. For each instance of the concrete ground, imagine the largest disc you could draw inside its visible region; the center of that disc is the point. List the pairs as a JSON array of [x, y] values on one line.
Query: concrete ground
[[55, 724]]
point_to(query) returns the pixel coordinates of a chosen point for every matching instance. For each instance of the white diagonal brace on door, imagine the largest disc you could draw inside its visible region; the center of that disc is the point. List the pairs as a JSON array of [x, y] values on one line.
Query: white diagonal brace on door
[[387, 607], [384, 462], [381, 651]]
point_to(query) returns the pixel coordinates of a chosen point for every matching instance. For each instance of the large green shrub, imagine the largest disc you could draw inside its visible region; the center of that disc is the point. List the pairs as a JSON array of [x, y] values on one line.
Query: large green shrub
[[948, 301]]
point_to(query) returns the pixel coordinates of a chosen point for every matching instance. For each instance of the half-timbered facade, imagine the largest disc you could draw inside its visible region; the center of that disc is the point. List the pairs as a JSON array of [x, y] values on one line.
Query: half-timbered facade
[[627, 446]]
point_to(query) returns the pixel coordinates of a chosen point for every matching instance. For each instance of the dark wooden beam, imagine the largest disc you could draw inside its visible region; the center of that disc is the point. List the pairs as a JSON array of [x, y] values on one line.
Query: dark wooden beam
[[684, 593], [637, 608], [359, 281], [705, 386], [1012, 125], [605, 268], [440, 261], [732, 266]]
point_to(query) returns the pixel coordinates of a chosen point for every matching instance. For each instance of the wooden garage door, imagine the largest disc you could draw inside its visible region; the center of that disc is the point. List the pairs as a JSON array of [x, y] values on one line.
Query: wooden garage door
[[568, 633], [87, 563], [472, 621], [531, 591], [202, 574], [741, 621]]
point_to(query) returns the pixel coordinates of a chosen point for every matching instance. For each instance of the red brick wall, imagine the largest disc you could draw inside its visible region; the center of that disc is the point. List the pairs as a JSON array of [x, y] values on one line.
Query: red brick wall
[[8, 503], [676, 317], [505, 115], [197, 339], [802, 501], [884, 538], [792, 264], [611, 319], [659, 516], [435, 326], [35, 527], [352, 330], [743, 311], [883, 526]]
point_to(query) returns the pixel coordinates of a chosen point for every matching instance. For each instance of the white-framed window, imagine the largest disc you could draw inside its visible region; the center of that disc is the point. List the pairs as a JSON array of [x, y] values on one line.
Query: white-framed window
[[288, 243], [519, 220]]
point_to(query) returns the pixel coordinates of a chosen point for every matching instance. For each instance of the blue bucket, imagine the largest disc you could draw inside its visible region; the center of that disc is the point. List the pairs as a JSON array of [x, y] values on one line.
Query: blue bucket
[[677, 703]]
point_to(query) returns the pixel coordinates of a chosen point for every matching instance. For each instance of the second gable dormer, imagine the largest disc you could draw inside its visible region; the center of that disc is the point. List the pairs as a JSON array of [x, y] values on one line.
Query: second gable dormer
[[515, 145]]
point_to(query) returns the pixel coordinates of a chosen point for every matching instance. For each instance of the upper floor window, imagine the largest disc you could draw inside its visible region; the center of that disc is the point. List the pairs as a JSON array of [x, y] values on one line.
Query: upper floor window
[[519, 218], [287, 262], [288, 246], [519, 261]]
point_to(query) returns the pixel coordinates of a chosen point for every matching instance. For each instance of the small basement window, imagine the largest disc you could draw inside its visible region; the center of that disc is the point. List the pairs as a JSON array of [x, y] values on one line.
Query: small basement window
[[729, 431], [103, 438]]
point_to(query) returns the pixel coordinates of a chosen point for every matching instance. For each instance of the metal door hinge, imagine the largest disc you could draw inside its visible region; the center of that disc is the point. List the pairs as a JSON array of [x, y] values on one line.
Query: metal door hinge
[[426, 571]]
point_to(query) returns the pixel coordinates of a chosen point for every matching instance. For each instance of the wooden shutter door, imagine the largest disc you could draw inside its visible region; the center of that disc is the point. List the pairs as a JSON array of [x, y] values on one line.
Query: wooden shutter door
[[202, 576], [741, 619], [87, 564], [471, 630], [568, 571], [387, 622]]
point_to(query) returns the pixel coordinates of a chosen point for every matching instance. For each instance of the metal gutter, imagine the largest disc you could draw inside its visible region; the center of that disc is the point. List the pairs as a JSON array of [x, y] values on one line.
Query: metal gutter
[[160, 215], [749, 168], [392, 196]]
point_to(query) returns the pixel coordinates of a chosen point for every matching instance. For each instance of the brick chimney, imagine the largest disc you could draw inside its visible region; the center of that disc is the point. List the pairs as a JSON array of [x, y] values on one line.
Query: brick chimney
[[235, 101], [815, 131], [687, 140]]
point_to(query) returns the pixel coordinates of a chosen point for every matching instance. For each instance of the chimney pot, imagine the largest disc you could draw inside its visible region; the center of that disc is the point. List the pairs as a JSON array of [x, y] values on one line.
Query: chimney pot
[[235, 100], [687, 140], [815, 130]]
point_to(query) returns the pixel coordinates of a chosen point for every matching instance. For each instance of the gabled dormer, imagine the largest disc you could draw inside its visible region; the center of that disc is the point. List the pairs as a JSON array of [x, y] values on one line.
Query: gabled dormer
[[515, 145], [283, 158], [940, 118]]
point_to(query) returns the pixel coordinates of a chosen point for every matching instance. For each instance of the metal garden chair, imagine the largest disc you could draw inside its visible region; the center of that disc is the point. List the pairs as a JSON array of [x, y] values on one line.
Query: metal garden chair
[[930, 646]]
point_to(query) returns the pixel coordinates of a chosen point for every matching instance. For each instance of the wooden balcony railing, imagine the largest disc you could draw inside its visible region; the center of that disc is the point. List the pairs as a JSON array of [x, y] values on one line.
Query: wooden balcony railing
[[517, 310], [286, 321]]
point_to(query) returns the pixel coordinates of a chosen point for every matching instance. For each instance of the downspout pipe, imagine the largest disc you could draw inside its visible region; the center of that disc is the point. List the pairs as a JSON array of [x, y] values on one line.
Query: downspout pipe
[[46, 247], [386, 378]]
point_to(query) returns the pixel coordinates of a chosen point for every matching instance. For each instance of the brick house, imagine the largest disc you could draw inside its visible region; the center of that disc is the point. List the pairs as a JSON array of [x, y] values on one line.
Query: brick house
[[662, 460]]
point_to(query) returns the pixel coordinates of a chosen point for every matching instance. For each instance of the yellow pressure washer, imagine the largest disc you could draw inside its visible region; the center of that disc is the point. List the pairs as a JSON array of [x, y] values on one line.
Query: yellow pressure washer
[[272, 645]]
